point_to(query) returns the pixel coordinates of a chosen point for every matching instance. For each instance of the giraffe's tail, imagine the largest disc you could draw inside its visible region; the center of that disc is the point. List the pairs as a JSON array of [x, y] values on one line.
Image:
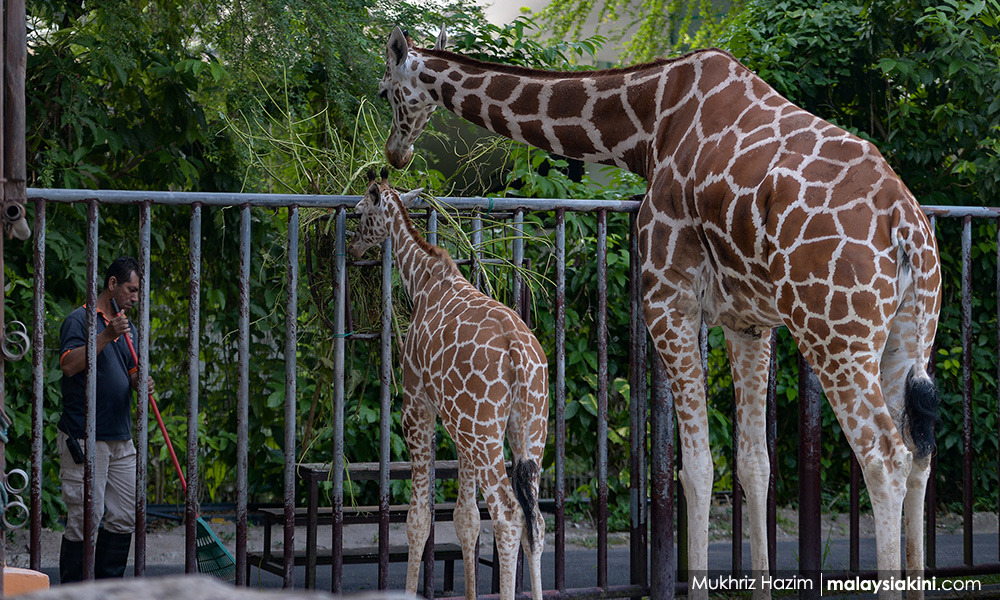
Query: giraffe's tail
[[921, 410], [918, 246], [524, 473]]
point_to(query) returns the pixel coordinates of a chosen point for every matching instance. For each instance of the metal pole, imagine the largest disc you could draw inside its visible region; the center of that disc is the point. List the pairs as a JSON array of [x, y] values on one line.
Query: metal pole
[[560, 402], [337, 468], [142, 397], [291, 348], [967, 480], [476, 237], [90, 516], [602, 398], [810, 485], [243, 402], [38, 387], [661, 514], [518, 257], [194, 378], [385, 415], [638, 534]]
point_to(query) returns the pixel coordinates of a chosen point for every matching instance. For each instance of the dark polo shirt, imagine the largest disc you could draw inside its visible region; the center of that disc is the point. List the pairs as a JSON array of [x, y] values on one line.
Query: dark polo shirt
[[114, 388]]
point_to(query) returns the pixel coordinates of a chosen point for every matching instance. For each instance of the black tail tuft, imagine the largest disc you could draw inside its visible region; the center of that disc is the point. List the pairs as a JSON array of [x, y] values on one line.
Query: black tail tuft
[[523, 479], [921, 412]]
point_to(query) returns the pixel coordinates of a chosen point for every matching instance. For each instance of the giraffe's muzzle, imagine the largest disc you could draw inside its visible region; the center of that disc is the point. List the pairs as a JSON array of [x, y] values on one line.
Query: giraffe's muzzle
[[399, 158]]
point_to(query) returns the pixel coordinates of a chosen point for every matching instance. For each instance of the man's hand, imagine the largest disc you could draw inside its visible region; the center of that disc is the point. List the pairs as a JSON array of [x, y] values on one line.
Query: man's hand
[[117, 326], [135, 383]]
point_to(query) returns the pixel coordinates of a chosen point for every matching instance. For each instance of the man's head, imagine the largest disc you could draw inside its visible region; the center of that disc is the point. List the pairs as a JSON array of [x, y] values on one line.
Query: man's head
[[121, 281]]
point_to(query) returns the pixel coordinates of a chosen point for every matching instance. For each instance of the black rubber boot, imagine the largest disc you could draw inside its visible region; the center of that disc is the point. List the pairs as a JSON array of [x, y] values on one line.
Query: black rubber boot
[[70, 561], [112, 554]]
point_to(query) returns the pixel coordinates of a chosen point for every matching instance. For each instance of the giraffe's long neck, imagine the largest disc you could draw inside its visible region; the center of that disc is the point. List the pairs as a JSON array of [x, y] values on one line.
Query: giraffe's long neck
[[419, 263], [608, 117]]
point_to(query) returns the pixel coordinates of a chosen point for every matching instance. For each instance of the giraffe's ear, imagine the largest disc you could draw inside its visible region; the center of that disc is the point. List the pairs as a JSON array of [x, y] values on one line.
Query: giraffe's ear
[[442, 39], [397, 47], [409, 197], [375, 193]]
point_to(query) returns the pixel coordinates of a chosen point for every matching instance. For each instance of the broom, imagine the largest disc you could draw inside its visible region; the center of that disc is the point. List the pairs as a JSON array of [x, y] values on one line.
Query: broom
[[213, 557]]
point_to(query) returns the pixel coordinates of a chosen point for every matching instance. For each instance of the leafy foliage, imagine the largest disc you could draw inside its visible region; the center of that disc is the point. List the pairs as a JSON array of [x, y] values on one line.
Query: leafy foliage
[[274, 96]]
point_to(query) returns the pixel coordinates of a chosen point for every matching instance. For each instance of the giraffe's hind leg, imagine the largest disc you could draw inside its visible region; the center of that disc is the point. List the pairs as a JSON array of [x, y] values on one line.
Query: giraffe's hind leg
[[849, 374], [904, 380], [749, 358], [526, 433], [508, 520], [418, 428], [467, 522]]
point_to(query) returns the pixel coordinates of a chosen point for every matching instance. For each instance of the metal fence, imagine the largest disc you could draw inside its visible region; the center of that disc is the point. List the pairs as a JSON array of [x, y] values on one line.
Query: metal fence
[[653, 490]]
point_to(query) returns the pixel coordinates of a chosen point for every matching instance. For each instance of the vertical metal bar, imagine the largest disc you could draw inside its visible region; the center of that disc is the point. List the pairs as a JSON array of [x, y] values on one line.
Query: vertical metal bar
[[602, 398], [928, 509], [312, 521], [661, 513], [476, 237], [337, 466], [772, 436], [291, 388], [90, 517], [194, 383], [967, 481], [385, 415], [38, 387], [560, 402], [142, 397], [432, 227], [810, 531], [518, 263], [3, 402], [243, 401], [428, 556], [638, 552]]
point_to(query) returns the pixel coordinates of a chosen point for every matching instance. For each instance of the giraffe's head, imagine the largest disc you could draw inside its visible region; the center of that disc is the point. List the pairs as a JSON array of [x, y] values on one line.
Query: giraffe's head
[[411, 103], [375, 216]]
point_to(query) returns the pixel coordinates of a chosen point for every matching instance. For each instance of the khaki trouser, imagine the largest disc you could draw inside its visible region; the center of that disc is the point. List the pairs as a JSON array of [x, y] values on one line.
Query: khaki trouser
[[114, 487]]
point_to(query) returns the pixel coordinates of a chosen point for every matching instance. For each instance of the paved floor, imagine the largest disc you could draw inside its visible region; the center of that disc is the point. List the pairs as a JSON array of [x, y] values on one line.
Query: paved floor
[[581, 565]]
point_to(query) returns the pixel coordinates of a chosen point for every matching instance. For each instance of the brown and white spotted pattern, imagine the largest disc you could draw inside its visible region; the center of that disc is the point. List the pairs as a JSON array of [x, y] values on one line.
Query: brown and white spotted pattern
[[757, 214], [471, 360]]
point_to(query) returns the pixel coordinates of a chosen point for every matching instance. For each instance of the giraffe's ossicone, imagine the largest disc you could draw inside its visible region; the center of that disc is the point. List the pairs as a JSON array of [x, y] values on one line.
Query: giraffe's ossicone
[[473, 361], [757, 214]]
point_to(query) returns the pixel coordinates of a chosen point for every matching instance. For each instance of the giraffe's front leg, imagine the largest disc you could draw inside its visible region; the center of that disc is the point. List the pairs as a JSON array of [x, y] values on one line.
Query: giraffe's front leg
[[749, 358], [467, 523], [418, 428], [677, 346]]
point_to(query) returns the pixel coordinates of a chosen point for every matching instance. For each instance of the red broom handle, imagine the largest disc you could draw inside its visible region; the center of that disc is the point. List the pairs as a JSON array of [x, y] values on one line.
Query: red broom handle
[[156, 410]]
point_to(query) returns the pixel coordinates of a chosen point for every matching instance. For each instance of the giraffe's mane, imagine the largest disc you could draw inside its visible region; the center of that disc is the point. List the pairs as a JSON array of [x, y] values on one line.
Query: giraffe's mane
[[431, 250], [520, 71]]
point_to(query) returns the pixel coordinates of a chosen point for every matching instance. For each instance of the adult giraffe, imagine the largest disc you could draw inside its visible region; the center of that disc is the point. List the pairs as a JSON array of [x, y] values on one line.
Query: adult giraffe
[[757, 214]]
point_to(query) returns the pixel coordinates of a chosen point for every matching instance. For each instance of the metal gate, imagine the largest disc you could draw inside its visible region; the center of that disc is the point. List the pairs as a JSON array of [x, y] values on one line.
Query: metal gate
[[652, 484]]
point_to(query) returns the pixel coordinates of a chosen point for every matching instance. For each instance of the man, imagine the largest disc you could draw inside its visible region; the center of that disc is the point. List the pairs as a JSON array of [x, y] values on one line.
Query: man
[[114, 456]]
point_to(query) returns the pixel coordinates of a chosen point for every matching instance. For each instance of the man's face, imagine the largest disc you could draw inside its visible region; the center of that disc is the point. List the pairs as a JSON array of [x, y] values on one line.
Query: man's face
[[125, 294]]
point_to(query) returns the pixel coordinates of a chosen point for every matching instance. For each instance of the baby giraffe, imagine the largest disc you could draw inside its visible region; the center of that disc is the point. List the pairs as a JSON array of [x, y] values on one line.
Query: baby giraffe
[[470, 359]]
